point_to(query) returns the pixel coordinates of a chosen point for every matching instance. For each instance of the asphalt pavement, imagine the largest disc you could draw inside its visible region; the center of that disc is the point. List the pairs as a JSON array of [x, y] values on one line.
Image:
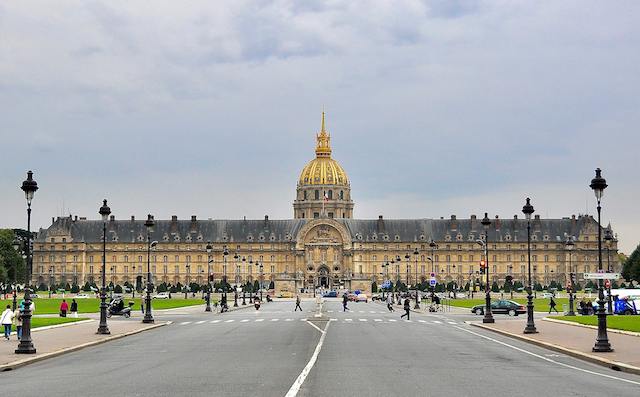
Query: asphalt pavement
[[275, 351]]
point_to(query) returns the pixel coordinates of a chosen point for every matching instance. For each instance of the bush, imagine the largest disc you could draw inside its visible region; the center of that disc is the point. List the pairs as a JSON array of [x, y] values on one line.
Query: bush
[[272, 285], [495, 287], [173, 289], [75, 289], [86, 287], [42, 287], [374, 287], [162, 287], [67, 287], [117, 289]]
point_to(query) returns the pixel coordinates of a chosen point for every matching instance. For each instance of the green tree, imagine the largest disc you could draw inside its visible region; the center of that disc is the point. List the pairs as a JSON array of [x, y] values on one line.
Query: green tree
[[495, 287], [75, 289], [12, 265], [374, 287], [256, 285], [631, 266], [117, 289]]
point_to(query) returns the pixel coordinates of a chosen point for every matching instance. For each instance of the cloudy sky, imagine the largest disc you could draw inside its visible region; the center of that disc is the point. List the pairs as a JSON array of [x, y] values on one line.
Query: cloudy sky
[[210, 108]]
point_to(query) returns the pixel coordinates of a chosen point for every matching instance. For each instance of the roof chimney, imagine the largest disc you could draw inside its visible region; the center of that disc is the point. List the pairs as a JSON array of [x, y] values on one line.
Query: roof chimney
[[111, 218], [380, 224], [76, 218], [453, 217], [537, 217], [174, 218], [266, 218], [515, 217], [473, 217], [193, 218], [133, 218]]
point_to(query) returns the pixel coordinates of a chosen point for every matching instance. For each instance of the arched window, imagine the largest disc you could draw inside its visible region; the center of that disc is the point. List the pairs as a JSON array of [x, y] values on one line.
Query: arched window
[[317, 194], [304, 194], [330, 194], [341, 195]]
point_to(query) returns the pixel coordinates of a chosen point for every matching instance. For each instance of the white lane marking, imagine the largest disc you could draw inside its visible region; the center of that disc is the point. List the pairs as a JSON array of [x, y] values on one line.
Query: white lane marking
[[295, 387], [303, 319], [361, 311], [393, 320], [408, 321], [329, 311], [244, 321], [201, 322], [421, 321], [259, 320], [334, 319], [348, 319], [363, 319], [229, 321], [275, 319], [377, 319], [315, 326], [288, 319], [371, 311], [547, 359], [185, 322], [214, 321], [437, 322]]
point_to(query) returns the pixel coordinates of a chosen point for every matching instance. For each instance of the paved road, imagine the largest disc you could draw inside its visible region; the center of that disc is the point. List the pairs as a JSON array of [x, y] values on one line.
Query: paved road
[[366, 351]]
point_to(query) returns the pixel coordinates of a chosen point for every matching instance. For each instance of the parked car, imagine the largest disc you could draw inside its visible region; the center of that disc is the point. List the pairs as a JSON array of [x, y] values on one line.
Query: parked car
[[330, 294], [161, 295], [32, 296], [362, 298], [82, 296], [501, 307], [376, 297]]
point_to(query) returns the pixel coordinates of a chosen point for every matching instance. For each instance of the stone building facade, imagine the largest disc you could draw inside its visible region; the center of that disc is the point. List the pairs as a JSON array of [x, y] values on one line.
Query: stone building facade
[[321, 246]]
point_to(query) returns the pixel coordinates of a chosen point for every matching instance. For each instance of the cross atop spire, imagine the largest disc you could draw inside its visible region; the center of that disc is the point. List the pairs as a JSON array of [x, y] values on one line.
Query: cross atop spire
[[323, 145]]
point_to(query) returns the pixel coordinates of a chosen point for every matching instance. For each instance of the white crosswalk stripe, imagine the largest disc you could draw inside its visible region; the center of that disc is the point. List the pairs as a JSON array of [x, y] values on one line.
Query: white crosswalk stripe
[[201, 322], [363, 319], [437, 322], [229, 321], [377, 319], [185, 322], [348, 319], [451, 322], [259, 320], [442, 321], [214, 321], [244, 321], [275, 319]]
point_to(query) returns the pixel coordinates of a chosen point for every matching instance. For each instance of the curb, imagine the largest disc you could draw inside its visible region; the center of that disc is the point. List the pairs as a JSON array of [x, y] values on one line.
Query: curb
[[20, 363], [615, 365], [612, 330]]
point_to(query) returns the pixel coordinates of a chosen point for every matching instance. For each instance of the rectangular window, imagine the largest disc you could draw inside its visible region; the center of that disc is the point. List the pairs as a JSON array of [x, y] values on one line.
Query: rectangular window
[[91, 259], [91, 269], [534, 258], [273, 269], [126, 269], [316, 215]]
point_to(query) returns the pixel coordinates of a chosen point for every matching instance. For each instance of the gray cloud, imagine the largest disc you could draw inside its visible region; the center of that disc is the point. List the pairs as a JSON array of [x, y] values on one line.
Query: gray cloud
[[435, 107]]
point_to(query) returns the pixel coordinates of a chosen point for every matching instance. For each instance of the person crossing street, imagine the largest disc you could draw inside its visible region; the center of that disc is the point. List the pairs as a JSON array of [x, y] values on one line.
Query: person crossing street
[[407, 308], [552, 305], [298, 303], [344, 302], [390, 303]]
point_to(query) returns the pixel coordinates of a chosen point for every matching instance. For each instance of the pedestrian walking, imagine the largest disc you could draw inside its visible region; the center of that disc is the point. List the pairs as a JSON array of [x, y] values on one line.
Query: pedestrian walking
[[390, 303], [407, 308], [297, 303], [64, 308], [6, 319], [223, 304], [344, 302], [74, 308], [142, 305], [17, 315], [552, 305]]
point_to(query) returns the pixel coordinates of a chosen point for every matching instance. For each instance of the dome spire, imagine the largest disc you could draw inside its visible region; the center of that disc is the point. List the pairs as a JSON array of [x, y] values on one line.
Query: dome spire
[[323, 146]]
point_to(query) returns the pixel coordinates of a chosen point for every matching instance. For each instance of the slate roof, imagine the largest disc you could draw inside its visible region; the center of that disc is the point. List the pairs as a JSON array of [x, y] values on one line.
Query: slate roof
[[284, 230]]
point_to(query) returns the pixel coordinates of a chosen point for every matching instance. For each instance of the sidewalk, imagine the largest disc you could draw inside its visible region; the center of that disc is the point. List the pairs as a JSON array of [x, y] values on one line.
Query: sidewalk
[[55, 341], [575, 341]]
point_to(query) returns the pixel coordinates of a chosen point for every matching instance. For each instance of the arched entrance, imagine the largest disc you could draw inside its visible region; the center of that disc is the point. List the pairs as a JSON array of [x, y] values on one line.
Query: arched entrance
[[323, 279]]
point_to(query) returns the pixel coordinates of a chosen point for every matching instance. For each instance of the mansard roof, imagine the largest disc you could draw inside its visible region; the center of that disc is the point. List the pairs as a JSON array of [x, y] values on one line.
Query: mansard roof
[[285, 230]]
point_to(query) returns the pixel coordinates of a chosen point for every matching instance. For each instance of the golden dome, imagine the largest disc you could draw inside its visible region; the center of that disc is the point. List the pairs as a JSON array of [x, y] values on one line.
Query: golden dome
[[323, 170]]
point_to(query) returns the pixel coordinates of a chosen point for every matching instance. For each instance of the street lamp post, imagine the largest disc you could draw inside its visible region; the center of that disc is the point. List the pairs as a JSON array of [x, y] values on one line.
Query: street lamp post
[[149, 224], [488, 316], [225, 253], [433, 246], [569, 245], [531, 326], [407, 258], [103, 328], [598, 184], [415, 254], [209, 260], [261, 279], [29, 187], [244, 289], [186, 280], [608, 240], [235, 286], [50, 280]]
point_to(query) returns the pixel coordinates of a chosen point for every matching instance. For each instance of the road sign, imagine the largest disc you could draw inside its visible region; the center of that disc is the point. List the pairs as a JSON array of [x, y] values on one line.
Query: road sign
[[602, 276], [433, 275], [432, 282]]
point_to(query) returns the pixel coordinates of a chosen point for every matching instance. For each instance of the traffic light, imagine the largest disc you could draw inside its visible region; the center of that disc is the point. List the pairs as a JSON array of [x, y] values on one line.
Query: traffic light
[[482, 266]]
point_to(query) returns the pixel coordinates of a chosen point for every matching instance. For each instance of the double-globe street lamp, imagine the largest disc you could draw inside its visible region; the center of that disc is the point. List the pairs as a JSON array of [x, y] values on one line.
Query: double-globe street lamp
[[598, 184], [415, 254], [261, 266], [530, 328], [149, 224], [488, 315], [209, 260], [235, 285], [571, 287], [608, 241], [103, 328], [29, 187]]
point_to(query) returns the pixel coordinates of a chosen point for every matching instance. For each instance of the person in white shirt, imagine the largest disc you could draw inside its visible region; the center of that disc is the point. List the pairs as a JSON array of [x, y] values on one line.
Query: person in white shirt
[[6, 319]]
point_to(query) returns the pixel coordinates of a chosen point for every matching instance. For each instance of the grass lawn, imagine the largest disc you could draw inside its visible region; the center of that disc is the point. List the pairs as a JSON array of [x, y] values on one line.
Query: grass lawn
[[626, 323], [92, 305], [539, 304]]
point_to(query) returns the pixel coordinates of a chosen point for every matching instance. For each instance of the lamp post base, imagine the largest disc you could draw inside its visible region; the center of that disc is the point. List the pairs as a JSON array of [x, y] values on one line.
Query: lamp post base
[[25, 348], [148, 319], [103, 330]]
